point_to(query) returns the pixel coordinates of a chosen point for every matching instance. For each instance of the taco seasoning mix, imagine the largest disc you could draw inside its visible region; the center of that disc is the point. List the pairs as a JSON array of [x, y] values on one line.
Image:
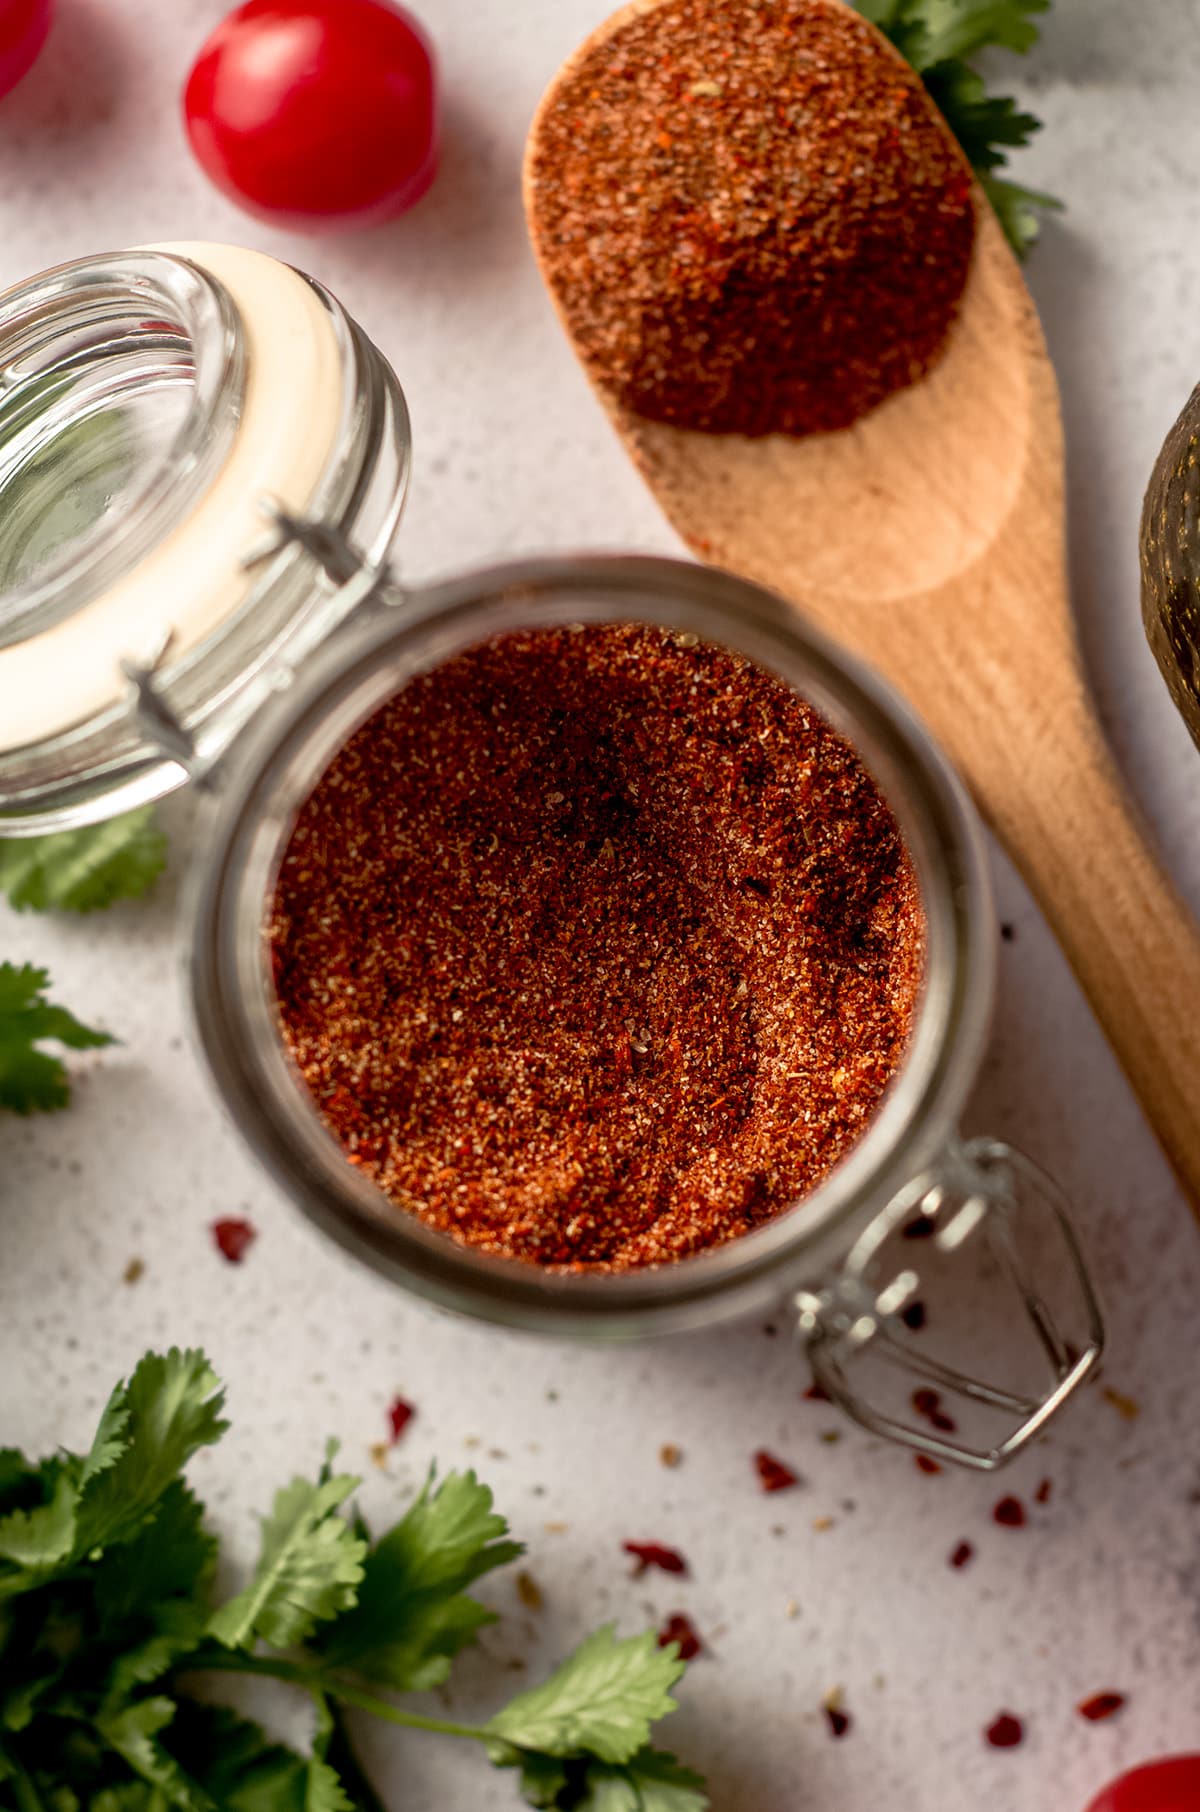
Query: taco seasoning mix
[[596, 947], [751, 215]]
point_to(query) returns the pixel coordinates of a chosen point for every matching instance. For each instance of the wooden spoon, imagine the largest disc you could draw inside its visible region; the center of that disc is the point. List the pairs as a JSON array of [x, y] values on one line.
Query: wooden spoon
[[930, 540]]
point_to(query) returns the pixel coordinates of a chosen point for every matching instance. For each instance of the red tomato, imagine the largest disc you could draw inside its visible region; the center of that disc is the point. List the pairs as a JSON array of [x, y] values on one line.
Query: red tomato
[[1169, 1786], [317, 114], [23, 28]]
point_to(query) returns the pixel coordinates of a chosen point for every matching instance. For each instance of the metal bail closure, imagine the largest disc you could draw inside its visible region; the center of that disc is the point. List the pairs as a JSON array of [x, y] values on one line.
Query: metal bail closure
[[902, 1308]]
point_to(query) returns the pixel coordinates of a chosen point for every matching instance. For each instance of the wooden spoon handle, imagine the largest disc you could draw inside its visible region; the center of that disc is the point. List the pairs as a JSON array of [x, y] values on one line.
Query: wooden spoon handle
[[1052, 793]]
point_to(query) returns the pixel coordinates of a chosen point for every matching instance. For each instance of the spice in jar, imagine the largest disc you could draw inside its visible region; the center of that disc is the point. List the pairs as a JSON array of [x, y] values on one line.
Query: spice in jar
[[596, 946], [751, 215]]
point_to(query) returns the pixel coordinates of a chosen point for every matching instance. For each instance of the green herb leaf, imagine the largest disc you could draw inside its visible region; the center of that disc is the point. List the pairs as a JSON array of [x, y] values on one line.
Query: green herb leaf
[[602, 1700], [652, 1782], [938, 37], [412, 1617], [31, 1081], [133, 1733], [151, 1427], [309, 1569], [42, 1536], [84, 870]]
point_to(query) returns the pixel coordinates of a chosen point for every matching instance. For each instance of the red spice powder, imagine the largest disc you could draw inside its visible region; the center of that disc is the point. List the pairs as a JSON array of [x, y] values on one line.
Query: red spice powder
[[1043, 1493], [924, 1463], [596, 947], [1101, 1706], [962, 1556], [653, 1554], [752, 216], [680, 1628], [233, 1238], [1009, 1513], [773, 1474], [838, 1720], [1006, 1732]]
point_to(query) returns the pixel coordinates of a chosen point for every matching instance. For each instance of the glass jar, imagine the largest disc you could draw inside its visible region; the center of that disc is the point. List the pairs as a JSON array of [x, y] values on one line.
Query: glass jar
[[202, 465]]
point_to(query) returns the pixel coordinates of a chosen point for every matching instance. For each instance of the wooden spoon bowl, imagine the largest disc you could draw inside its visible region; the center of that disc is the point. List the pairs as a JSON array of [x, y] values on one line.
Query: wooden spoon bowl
[[930, 540]]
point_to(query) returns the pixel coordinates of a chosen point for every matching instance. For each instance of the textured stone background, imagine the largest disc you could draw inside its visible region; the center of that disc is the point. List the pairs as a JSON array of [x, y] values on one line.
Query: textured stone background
[[512, 455]]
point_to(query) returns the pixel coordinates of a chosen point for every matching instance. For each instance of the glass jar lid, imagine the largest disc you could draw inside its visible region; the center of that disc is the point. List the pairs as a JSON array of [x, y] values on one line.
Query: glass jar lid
[[162, 411]]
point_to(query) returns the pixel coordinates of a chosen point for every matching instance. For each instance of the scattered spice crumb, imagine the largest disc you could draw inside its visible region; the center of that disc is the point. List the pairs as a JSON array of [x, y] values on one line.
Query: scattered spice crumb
[[552, 1396], [134, 1271], [556, 1528], [814, 1394], [529, 1591], [471, 1440], [928, 1403], [837, 1717], [791, 1608], [379, 1451], [669, 1454], [1102, 1705], [914, 1316], [773, 1474], [822, 1523], [400, 1414], [497, 1453], [770, 1330], [233, 1238], [778, 1529], [1126, 1407], [1010, 1513], [1006, 1732], [653, 1554], [1042, 1494], [924, 1463], [831, 1436], [680, 1628], [1008, 933], [963, 1555]]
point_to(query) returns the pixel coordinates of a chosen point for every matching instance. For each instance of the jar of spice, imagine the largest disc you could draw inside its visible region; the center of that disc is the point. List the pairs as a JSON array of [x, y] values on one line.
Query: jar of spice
[[202, 467]]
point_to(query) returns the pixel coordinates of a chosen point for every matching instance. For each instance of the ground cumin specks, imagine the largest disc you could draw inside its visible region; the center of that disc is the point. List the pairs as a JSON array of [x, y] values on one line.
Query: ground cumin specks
[[596, 946], [751, 215]]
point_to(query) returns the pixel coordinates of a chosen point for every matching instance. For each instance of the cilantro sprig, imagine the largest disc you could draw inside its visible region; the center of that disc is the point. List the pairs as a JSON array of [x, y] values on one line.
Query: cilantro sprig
[[108, 1611], [33, 1080], [84, 870], [940, 38]]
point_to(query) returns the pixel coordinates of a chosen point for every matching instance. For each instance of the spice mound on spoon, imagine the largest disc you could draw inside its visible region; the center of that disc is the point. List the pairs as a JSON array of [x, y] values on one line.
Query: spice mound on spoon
[[927, 536], [769, 238]]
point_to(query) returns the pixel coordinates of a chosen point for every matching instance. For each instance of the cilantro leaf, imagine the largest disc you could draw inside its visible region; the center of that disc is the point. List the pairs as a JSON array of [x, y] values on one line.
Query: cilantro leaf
[[133, 1733], [310, 1566], [242, 1770], [44, 1535], [412, 1617], [602, 1700], [31, 1081], [938, 37], [652, 1782], [169, 1409], [84, 870]]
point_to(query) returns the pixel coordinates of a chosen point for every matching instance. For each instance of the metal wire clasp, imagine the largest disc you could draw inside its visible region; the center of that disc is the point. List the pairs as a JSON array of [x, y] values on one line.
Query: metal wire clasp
[[983, 1189]]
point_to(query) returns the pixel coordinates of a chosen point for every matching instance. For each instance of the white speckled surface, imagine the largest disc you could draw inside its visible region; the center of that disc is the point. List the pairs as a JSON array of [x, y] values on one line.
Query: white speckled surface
[[1102, 1590]]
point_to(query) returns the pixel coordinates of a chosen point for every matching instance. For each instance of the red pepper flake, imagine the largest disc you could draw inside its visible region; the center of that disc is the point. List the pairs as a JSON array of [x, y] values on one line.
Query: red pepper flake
[[400, 1414], [233, 1239], [1042, 1494], [680, 1628], [653, 1554], [814, 1394], [914, 1316], [1101, 1705], [1010, 1513], [773, 1474], [838, 1720], [926, 1402], [962, 1556], [924, 1463], [1006, 1732]]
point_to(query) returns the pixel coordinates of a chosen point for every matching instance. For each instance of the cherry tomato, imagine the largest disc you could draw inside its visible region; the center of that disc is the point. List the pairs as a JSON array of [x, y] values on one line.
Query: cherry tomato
[[23, 28], [1168, 1786], [316, 114]]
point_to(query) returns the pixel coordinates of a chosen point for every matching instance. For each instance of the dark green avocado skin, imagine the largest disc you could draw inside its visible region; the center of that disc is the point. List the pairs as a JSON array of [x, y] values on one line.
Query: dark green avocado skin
[[1170, 547]]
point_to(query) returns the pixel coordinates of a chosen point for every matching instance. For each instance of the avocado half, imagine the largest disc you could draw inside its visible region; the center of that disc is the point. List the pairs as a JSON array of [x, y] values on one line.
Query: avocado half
[[1170, 550]]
